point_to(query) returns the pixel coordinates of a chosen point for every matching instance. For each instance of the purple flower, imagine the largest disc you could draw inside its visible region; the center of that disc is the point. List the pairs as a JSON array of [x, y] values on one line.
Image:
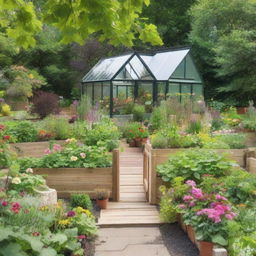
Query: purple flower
[[197, 193], [187, 198], [71, 214]]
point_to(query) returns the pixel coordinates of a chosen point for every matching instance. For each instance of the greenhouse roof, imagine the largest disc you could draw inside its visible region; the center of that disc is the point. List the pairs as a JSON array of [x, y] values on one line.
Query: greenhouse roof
[[160, 65]]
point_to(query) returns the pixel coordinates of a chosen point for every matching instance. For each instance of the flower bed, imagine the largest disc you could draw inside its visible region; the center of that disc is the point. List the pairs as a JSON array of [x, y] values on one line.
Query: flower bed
[[155, 157], [75, 167]]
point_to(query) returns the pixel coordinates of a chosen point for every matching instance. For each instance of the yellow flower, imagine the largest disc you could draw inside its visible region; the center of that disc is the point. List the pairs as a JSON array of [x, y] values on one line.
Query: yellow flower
[[31, 76], [65, 222]]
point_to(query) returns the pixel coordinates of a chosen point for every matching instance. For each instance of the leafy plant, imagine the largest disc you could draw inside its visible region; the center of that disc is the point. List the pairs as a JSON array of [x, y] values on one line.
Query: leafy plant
[[102, 194], [235, 141], [57, 126], [22, 131], [82, 200], [138, 113], [167, 211], [193, 164]]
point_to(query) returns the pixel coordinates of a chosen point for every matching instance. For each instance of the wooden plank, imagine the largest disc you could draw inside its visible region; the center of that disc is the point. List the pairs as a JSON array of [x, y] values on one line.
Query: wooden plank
[[116, 175]]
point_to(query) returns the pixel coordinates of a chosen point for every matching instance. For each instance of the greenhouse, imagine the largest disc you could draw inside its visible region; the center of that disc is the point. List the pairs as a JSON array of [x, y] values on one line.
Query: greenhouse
[[147, 78]]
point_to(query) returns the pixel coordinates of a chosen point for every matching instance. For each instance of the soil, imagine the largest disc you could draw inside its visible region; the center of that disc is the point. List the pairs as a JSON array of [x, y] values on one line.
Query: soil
[[177, 241]]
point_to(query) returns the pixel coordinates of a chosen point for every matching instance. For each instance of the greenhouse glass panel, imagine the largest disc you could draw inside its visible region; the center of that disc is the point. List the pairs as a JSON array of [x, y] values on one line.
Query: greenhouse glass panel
[[105, 69], [89, 91], [173, 89], [161, 87], [191, 71], [97, 92], [198, 90], [185, 92], [180, 71], [145, 94]]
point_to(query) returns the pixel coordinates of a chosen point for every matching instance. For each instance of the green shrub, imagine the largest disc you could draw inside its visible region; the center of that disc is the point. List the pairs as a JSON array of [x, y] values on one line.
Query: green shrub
[[234, 140], [104, 133], [168, 212], [57, 126], [22, 131], [158, 118], [82, 200], [193, 164], [138, 113], [159, 141]]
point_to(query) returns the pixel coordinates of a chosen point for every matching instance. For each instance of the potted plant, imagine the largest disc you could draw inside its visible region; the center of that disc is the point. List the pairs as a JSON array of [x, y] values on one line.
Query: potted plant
[[142, 136], [102, 197]]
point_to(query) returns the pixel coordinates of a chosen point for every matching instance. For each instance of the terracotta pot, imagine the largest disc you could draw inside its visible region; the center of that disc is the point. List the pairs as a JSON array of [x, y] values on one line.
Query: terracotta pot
[[206, 248], [138, 142], [183, 225], [132, 143], [191, 234], [102, 203]]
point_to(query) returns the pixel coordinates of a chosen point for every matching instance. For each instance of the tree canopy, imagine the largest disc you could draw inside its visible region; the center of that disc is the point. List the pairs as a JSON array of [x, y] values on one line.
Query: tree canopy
[[116, 21], [226, 46]]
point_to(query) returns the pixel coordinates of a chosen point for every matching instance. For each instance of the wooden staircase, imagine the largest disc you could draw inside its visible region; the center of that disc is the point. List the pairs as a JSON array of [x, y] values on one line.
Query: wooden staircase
[[133, 209]]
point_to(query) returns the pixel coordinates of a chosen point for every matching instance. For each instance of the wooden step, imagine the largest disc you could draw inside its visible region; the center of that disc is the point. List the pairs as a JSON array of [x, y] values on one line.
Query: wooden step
[[132, 197], [132, 189], [129, 205]]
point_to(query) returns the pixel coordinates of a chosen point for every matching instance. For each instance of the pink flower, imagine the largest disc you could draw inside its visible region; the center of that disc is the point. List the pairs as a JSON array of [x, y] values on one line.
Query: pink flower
[[71, 214], [191, 204], [47, 151], [197, 193], [191, 183], [16, 207], [229, 216], [4, 203], [187, 198], [182, 206], [56, 147], [219, 197], [82, 237]]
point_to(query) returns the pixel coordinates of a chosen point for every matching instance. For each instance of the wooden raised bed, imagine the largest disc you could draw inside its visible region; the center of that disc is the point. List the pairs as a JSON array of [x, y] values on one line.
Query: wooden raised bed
[[32, 149], [155, 157], [83, 180]]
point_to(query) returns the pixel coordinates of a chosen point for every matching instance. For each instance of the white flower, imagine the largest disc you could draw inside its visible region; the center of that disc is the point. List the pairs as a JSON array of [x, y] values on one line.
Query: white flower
[[83, 155], [16, 180], [73, 158], [29, 170]]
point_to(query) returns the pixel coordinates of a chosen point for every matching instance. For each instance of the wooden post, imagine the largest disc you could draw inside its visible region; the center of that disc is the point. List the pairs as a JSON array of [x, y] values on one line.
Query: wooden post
[[116, 176]]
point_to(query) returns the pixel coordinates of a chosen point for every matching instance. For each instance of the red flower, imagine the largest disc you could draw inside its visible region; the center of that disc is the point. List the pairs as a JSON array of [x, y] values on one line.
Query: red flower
[[15, 207], [82, 237], [4, 203], [6, 137]]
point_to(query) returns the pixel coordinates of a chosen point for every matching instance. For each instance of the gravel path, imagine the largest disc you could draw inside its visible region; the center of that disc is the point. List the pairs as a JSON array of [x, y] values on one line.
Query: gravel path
[[176, 241]]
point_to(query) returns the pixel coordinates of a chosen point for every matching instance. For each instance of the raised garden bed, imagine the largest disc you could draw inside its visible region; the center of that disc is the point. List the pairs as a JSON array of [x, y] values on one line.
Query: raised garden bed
[[155, 157], [83, 180]]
